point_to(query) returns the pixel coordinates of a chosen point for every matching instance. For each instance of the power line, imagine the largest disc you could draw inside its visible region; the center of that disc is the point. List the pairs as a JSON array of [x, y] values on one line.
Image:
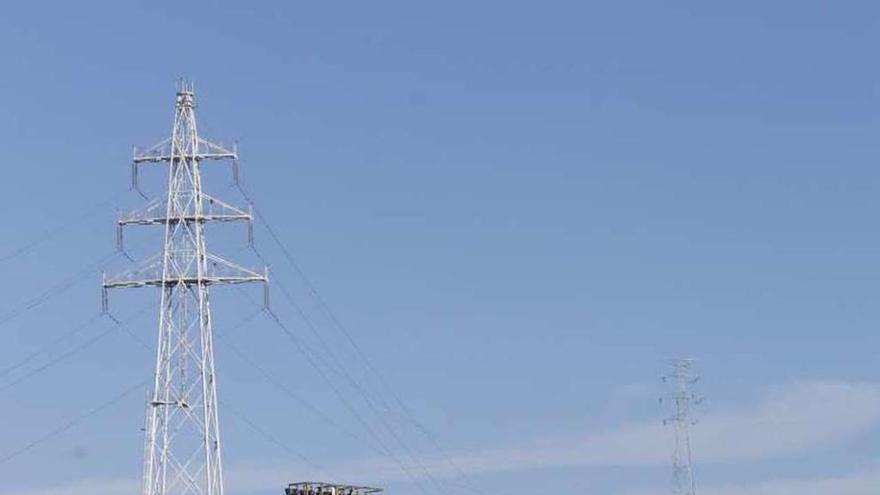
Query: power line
[[305, 403], [84, 345], [63, 337], [340, 369], [77, 420], [338, 324], [222, 336], [304, 351], [53, 291], [70, 424], [45, 296], [297, 398], [274, 440], [70, 352], [52, 233]]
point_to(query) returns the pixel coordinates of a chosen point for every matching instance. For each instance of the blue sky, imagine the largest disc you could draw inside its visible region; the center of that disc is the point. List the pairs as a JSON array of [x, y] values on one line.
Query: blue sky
[[519, 210]]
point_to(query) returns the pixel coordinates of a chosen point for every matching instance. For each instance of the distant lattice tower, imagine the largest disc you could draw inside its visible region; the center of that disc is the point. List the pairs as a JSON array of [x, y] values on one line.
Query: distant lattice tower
[[182, 445], [682, 463]]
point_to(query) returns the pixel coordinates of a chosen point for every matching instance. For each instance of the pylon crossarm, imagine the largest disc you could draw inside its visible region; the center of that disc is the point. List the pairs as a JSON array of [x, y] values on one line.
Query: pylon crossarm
[[161, 148], [213, 210], [149, 274], [161, 152], [146, 273], [216, 149], [221, 269]]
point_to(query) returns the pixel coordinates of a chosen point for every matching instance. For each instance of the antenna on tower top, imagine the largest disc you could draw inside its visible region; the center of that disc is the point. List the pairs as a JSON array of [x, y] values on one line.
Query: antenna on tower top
[[682, 378], [185, 85]]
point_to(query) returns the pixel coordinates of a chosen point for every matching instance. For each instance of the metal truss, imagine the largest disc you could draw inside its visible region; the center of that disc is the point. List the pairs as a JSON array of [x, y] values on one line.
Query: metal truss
[[182, 451], [323, 488], [682, 465]]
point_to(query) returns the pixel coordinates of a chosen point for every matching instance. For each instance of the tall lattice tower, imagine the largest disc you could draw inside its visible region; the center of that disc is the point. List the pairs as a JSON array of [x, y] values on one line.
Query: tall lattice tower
[[683, 399], [182, 445]]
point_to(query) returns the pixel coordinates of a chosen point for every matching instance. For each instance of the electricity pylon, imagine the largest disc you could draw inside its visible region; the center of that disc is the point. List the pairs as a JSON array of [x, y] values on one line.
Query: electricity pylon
[[182, 444], [682, 467]]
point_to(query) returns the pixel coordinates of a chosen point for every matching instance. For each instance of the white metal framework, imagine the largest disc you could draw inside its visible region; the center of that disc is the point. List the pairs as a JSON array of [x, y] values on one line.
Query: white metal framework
[[682, 470], [182, 444], [323, 488]]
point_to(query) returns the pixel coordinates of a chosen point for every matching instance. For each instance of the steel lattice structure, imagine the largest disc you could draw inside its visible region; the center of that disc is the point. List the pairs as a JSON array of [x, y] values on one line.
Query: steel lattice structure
[[682, 466], [182, 444], [323, 488]]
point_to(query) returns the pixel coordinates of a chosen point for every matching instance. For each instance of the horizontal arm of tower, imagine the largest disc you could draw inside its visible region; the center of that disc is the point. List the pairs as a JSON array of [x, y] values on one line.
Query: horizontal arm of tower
[[197, 156], [153, 273], [213, 210], [129, 284], [207, 150]]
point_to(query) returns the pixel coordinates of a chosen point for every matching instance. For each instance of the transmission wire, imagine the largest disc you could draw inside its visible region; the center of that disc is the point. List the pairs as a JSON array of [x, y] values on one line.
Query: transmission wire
[[296, 397], [358, 387], [70, 352], [63, 337], [335, 320], [52, 233], [70, 424], [271, 438], [241, 416], [52, 291], [304, 351]]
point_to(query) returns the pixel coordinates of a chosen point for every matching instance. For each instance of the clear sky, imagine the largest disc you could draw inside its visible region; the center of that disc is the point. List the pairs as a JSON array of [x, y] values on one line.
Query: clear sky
[[519, 210]]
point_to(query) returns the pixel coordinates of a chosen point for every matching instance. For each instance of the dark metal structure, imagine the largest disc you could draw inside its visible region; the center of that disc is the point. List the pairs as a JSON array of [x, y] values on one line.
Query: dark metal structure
[[321, 488]]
